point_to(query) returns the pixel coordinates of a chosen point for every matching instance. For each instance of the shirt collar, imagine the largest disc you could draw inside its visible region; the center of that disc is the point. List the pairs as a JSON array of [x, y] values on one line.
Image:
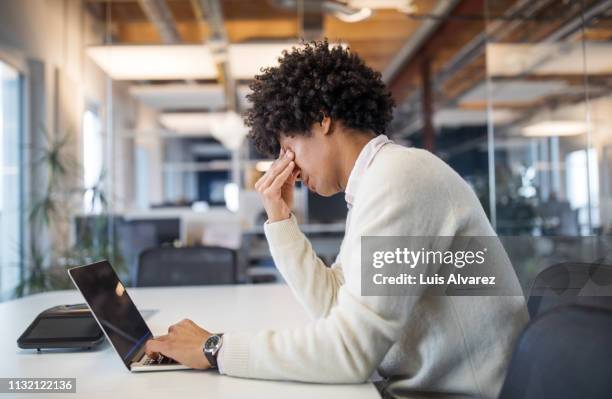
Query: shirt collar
[[367, 154]]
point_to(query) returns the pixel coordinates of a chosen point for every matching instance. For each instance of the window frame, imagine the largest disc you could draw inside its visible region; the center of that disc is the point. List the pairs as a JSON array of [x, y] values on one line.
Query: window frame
[[17, 61]]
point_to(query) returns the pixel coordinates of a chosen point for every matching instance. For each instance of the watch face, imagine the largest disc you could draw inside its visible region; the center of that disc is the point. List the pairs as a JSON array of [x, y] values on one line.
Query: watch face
[[212, 342]]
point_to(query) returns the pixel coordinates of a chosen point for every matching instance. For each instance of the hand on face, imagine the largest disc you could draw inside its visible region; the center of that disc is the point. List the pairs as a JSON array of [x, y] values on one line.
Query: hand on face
[[276, 187], [183, 343]]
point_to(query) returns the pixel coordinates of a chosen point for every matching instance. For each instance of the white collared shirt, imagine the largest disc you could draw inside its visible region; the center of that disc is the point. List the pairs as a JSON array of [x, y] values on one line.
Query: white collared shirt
[[367, 154]]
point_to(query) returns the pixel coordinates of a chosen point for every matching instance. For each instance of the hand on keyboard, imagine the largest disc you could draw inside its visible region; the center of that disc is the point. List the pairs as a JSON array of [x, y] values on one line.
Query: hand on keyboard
[[160, 360]]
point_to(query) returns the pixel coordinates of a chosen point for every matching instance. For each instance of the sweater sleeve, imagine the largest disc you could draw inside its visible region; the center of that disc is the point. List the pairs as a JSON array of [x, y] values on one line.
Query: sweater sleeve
[[349, 343], [313, 283]]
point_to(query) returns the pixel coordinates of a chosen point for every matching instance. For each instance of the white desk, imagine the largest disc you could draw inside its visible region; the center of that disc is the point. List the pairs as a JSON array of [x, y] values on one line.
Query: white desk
[[100, 373]]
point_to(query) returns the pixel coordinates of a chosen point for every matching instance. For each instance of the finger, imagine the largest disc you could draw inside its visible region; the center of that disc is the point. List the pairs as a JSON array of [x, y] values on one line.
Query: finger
[[292, 177], [282, 177], [298, 174], [277, 167], [264, 181], [153, 347], [259, 181], [266, 175], [282, 161]]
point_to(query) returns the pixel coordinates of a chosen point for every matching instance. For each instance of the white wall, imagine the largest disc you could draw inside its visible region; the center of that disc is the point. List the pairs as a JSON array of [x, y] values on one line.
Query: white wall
[[55, 34]]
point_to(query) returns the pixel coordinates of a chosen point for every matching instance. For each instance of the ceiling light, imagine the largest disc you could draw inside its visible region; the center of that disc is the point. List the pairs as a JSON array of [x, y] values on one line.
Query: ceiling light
[[227, 127], [509, 59], [159, 62], [178, 62], [514, 91], [357, 16], [456, 117], [406, 6], [247, 59], [180, 96], [555, 128], [189, 123]]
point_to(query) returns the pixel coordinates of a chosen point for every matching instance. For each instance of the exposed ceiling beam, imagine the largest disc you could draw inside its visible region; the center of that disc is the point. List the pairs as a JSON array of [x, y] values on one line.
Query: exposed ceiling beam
[[425, 30], [217, 41], [580, 21], [213, 13], [402, 82], [160, 15], [500, 28], [466, 54]]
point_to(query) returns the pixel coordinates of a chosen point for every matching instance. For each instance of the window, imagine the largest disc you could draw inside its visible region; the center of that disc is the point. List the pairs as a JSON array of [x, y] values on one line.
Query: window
[[10, 179], [92, 161], [582, 179]]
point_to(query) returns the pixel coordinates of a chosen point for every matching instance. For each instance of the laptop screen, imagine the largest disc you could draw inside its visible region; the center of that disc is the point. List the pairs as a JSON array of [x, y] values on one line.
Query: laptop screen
[[112, 307]]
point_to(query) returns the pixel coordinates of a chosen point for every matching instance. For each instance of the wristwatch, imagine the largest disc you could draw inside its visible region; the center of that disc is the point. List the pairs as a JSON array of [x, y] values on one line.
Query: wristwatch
[[211, 348]]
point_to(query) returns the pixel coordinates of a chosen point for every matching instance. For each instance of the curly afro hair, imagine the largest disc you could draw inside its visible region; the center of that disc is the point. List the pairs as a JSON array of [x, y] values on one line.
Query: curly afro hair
[[311, 82]]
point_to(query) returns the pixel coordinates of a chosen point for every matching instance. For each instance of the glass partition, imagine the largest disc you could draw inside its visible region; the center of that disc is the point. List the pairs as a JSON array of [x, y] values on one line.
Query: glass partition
[[549, 156], [11, 191], [548, 69]]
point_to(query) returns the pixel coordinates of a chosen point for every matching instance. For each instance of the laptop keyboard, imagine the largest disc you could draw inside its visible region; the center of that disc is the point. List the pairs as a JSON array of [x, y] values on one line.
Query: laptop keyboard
[[161, 359]]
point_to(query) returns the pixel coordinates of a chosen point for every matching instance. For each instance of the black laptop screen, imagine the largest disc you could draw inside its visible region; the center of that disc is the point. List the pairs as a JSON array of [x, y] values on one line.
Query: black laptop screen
[[112, 306]]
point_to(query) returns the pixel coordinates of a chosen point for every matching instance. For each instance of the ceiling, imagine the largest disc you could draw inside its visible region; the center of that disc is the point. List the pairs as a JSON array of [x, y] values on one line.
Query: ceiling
[[376, 39], [458, 50]]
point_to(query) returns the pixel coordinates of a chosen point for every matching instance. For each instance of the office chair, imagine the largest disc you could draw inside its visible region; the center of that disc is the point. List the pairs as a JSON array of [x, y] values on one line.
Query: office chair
[[169, 266], [571, 282], [564, 353]]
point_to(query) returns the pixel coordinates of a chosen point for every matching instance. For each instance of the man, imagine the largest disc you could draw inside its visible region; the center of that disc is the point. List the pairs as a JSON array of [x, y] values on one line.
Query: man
[[324, 112]]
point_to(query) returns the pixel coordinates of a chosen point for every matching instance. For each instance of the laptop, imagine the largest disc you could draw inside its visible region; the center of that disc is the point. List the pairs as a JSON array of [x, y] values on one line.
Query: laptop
[[117, 316]]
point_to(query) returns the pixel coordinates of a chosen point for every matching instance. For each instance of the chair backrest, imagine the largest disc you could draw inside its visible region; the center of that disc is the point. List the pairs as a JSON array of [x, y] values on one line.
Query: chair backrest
[[564, 353], [169, 266], [571, 282]]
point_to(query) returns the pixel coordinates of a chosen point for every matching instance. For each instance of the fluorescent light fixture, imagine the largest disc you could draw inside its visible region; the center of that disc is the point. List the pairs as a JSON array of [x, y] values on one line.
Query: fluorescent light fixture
[[263, 166], [247, 59], [357, 16], [400, 5], [508, 59], [190, 123], [155, 62], [555, 128], [227, 127], [177, 62], [180, 96], [471, 117], [514, 91], [145, 62]]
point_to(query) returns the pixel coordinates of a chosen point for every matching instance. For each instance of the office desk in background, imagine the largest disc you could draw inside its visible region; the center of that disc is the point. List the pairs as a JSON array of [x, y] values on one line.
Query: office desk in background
[[100, 373], [324, 238]]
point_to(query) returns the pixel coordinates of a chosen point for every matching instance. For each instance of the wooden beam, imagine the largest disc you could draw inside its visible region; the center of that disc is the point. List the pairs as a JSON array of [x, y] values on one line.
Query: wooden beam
[[455, 31], [144, 32], [240, 30]]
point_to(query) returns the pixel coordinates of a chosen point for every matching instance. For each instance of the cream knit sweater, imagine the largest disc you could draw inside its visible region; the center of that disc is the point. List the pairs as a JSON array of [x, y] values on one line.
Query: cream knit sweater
[[426, 343]]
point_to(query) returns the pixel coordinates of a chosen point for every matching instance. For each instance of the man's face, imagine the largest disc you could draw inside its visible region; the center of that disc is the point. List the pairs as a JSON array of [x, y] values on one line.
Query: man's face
[[314, 157]]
